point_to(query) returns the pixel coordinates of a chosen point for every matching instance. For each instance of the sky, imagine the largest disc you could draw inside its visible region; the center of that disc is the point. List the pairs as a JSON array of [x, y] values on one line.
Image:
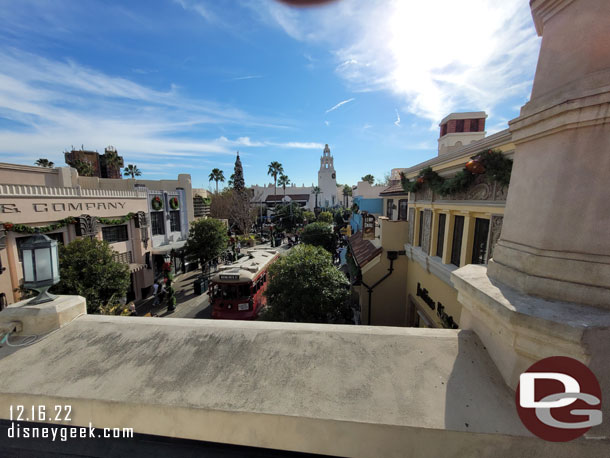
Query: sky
[[179, 86]]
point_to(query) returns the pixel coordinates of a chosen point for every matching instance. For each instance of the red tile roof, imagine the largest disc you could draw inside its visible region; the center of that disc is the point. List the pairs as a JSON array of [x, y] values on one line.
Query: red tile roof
[[364, 250], [394, 189], [279, 197]]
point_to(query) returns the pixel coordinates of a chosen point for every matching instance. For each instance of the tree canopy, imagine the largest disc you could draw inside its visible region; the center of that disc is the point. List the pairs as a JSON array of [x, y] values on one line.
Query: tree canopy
[[369, 178], [304, 286], [207, 239], [325, 217], [319, 234], [42, 162], [288, 216], [87, 268], [217, 175], [239, 184], [132, 171]]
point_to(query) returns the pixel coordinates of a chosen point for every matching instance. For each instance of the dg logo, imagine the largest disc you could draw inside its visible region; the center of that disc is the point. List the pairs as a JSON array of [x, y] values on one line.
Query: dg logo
[[559, 399]]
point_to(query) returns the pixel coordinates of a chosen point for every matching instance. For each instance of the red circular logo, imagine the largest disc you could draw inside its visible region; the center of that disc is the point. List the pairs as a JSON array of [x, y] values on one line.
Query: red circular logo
[[559, 399]]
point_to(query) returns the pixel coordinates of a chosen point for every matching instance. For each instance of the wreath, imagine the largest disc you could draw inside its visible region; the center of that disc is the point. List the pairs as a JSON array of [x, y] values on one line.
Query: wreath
[[157, 203], [492, 163], [174, 203]]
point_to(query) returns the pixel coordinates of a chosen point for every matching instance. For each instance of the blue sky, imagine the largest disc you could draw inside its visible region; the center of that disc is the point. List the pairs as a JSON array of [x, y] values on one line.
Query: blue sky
[[178, 86]]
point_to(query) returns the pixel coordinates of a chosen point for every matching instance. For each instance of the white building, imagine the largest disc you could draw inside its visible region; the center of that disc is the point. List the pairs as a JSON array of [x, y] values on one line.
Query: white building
[[327, 181]]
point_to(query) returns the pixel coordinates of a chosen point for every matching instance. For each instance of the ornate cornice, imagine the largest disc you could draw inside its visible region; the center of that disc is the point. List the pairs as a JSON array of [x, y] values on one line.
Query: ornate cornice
[[543, 10]]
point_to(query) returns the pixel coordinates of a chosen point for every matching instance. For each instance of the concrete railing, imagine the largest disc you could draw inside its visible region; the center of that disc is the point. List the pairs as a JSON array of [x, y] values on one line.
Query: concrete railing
[[31, 190]]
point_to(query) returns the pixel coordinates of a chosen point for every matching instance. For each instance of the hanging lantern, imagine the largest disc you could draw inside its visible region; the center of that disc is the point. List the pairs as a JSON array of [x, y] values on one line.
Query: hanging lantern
[[40, 266], [475, 166]]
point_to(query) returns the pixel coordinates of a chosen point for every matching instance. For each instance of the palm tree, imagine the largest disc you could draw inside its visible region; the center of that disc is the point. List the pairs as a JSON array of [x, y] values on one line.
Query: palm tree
[[283, 182], [347, 191], [316, 190], [113, 160], [84, 168], [42, 162], [275, 168], [370, 178], [231, 180], [217, 175], [132, 170]]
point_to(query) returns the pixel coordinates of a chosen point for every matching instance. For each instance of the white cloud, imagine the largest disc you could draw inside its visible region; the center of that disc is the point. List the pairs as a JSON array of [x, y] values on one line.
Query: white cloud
[[438, 56], [397, 122], [248, 77], [340, 104]]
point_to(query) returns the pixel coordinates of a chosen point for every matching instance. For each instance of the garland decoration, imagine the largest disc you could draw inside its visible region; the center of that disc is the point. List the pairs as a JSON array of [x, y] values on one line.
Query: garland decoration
[[156, 203], [207, 201], [491, 163], [174, 203], [25, 229]]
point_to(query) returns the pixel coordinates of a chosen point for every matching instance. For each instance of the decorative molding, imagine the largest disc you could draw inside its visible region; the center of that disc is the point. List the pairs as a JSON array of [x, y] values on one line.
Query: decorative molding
[[20, 190], [495, 229], [86, 226], [411, 224], [427, 230], [481, 191], [543, 10]]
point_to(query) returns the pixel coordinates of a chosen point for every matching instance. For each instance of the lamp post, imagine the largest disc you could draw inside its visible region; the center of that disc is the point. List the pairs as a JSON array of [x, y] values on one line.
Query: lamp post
[[40, 266]]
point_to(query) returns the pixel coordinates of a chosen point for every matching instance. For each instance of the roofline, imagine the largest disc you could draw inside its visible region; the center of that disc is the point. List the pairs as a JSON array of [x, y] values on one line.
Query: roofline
[[464, 115], [499, 138]]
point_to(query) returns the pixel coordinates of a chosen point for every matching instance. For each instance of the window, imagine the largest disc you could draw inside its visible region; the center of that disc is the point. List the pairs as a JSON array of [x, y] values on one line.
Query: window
[[402, 209], [474, 125], [456, 245], [421, 227], [479, 247], [444, 129], [114, 234], [440, 239], [174, 221], [390, 208], [459, 125], [157, 222], [58, 237]]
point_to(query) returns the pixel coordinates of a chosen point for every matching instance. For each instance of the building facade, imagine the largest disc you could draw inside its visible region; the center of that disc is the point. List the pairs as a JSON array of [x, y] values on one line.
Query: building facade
[[327, 181], [107, 165]]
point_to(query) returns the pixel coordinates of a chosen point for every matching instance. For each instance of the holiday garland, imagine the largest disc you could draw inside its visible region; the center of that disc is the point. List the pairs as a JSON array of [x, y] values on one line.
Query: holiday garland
[[174, 203], [492, 163], [156, 203], [207, 201], [24, 229]]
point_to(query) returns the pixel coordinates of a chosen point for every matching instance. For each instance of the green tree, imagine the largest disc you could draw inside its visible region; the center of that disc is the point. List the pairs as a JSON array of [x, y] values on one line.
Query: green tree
[[369, 178], [347, 191], [87, 268], [288, 216], [283, 182], [239, 183], [84, 168], [207, 239], [42, 162], [316, 190], [325, 217], [319, 234], [275, 169], [308, 216], [304, 286], [132, 170], [217, 175]]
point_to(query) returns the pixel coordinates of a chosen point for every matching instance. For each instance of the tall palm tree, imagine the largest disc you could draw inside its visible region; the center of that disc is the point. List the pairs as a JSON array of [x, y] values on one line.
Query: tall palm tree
[[316, 190], [275, 168], [42, 162], [231, 181], [283, 182], [347, 191], [113, 161], [132, 170], [217, 175]]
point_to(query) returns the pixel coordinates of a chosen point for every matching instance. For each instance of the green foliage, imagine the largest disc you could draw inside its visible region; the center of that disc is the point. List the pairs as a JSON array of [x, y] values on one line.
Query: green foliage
[[319, 234], [288, 216], [304, 286], [497, 168], [87, 268], [84, 168], [239, 183], [325, 217], [132, 171], [283, 181], [207, 239], [309, 216], [216, 175], [368, 178], [42, 162]]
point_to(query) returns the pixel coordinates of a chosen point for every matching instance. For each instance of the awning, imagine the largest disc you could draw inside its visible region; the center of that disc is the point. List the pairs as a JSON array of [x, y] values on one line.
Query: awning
[[136, 267], [166, 249]]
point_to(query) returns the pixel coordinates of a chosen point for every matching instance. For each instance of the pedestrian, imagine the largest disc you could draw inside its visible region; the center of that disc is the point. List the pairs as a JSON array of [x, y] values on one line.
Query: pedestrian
[[155, 293]]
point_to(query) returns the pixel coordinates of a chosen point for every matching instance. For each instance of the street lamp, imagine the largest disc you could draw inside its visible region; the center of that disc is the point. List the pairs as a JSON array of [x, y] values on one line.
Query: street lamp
[[40, 266]]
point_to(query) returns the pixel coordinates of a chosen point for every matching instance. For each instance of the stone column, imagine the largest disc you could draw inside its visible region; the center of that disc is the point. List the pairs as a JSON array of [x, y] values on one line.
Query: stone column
[[555, 240]]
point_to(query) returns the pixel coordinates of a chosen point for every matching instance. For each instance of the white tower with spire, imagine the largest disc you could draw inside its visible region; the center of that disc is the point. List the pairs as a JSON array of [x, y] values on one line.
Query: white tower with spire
[[327, 180]]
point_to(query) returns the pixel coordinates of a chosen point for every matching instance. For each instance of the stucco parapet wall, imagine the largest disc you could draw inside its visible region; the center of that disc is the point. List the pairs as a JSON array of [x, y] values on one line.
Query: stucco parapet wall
[[337, 390], [578, 104], [431, 264], [10, 190]]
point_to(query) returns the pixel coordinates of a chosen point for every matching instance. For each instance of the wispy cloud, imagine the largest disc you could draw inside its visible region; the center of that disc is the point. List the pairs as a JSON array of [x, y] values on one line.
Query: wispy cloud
[[199, 8], [475, 55], [248, 77], [246, 141], [340, 104], [397, 122]]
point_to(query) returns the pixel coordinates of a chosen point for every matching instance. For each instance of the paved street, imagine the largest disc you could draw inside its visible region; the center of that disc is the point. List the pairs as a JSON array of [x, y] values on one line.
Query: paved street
[[189, 305]]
